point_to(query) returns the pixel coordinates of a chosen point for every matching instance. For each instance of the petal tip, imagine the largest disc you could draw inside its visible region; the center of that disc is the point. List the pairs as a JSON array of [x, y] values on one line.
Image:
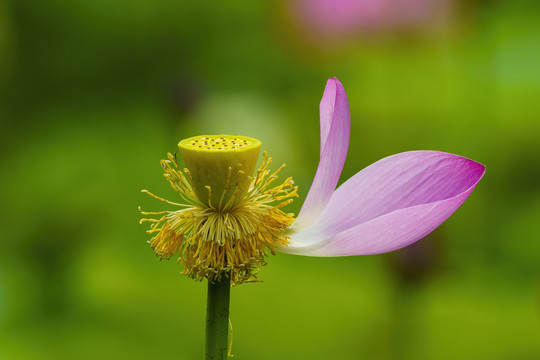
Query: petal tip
[[334, 82]]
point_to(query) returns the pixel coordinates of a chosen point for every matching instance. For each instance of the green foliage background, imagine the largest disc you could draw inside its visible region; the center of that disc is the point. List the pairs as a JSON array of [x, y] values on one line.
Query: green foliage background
[[94, 93]]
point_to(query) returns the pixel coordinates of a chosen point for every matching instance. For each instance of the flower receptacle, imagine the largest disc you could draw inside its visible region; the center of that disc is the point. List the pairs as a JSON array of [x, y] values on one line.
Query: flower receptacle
[[220, 166]]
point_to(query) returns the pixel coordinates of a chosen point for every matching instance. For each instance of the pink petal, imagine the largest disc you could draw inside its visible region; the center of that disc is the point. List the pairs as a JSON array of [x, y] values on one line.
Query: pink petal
[[390, 204], [335, 130]]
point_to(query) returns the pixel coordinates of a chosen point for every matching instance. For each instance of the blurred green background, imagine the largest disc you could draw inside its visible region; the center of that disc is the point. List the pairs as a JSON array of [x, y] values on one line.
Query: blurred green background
[[94, 93]]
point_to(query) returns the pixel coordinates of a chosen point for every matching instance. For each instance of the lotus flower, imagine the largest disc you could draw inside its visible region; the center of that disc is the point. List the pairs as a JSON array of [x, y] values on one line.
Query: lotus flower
[[343, 17], [229, 219], [386, 206]]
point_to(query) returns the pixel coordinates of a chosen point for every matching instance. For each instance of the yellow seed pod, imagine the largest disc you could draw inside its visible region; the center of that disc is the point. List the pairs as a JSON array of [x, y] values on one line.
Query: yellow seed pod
[[220, 166]]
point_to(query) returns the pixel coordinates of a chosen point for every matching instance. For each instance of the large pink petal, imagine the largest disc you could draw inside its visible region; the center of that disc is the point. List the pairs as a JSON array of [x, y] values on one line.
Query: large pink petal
[[390, 204], [335, 130]]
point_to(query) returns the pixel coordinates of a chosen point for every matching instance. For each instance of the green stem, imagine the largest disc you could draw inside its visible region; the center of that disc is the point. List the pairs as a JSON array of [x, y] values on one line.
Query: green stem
[[217, 319]]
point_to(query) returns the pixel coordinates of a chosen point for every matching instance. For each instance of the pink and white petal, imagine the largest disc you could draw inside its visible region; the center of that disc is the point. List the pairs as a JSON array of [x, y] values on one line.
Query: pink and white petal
[[388, 232], [408, 182], [335, 126], [397, 182]]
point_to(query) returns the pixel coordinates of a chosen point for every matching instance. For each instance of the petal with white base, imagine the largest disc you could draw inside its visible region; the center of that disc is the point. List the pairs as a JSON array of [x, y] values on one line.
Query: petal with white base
[[335, 130], [390, 204]]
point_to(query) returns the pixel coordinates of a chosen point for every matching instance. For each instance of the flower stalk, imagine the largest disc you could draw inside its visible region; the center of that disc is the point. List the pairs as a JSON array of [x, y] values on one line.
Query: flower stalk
[[217, 318]]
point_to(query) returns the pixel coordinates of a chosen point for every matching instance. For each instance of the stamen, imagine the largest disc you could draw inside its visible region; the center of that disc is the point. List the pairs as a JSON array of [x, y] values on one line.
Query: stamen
[[233, 238], [161, 199]]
